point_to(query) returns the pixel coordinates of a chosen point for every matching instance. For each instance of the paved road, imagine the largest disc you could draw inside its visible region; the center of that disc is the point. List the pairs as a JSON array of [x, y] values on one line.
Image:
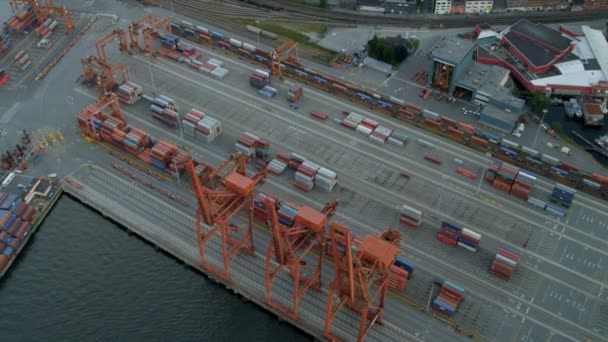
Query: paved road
[[283, 139]]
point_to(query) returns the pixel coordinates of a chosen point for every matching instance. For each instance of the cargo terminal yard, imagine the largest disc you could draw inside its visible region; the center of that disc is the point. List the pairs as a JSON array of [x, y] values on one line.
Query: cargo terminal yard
[[557, 290]]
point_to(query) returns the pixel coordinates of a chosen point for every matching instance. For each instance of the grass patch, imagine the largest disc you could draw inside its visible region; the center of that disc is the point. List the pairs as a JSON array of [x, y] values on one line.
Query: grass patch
[[559, 130], [292, 30]]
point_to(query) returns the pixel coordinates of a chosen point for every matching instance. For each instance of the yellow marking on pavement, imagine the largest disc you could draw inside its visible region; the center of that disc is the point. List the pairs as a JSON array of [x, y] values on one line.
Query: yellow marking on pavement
[[59, 135], [52, 138]]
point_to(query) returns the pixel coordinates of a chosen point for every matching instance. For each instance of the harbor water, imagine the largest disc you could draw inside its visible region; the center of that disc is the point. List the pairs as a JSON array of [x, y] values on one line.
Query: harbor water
[[82, 278], [558, 114]]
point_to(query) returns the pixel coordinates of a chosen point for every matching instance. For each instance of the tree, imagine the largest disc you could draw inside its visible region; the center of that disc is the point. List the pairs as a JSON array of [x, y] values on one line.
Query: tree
[[538, 101], [323, 4]]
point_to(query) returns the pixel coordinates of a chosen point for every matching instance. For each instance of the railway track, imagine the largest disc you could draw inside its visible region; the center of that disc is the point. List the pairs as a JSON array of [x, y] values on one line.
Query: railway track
[[431, 20], [217, 16]]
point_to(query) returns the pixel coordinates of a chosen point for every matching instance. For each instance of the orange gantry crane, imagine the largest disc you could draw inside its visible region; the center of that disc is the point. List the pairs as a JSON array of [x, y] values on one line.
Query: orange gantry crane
[[149, 27], [43, 8], [229, 191], [360, 280], [294, 248], [118, 34], [97, 109], [97, 73], [277, 56]]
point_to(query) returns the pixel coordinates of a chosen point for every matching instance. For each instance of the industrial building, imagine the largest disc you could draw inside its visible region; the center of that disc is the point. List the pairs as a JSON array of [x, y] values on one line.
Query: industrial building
[[443, 6], [547, 60], [478, 6], [387, 6], [537, 5], [455, 70], [463, 6]]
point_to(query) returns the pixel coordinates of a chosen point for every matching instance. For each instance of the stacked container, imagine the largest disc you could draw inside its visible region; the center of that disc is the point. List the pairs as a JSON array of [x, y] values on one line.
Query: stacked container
[[268, 91], [326, 179], [524, 182], [246, 144], [278, 165], [219, 73], [165, 115], [22, 60], [259, 79], [135, 141], [366, 127], [260, 211], [410, 217], [287, 214], [45, 30], [352, 120], [190, 120], [4, 77], [129, 92], [398, 278], [295, 160], [22, 21], [405, 264], [5, 44], [305, 175], [450, 296], [469, 240], [163, 102], [397, 138], [162, 154], [201, 126], [562, 195], [170, 41], [449, 233], [505, 262], [380, 134], [15, 225], [294, 94]]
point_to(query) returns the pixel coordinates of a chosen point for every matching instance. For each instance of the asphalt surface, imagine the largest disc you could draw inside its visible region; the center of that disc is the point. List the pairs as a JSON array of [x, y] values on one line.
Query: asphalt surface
[[558, 289]]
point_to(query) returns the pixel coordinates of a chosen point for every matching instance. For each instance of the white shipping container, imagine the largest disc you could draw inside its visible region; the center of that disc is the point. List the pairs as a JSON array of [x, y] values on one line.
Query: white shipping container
[[47, 22], [216, 61], [202, 29], [470, 233], [506, 260], [235, 42], [53, 25], [261, 73], [467, 247], [394, 141], [363, 130], [249, 47]]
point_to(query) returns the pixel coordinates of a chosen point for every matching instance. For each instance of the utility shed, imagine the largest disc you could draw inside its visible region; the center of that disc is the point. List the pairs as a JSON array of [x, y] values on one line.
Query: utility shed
[[498, 118]]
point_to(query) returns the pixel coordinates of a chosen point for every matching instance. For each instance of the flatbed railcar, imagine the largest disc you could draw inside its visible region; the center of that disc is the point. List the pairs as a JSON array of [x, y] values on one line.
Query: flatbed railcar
[[591, 183]]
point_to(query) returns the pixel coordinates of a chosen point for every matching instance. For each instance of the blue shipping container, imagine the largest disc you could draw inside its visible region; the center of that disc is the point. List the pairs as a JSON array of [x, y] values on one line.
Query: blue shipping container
[[555, 210], [491, 136], [559, 171], [402, 262], [384, 104], [451, 226], [217, 35], [508, 152], [8, 250]]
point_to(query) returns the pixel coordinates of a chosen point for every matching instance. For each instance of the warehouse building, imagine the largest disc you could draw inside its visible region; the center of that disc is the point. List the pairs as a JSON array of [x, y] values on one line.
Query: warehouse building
[[443, 6], [455, 71], [543, 59]]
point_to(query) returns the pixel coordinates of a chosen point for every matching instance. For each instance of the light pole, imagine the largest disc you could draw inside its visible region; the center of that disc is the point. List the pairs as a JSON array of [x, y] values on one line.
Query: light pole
[[538, 130], [257, 22], [176, 172], [483, 172]]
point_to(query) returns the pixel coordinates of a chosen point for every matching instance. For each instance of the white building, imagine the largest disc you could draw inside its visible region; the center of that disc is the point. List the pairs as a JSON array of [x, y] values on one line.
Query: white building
[[443, 6], [478, 6]]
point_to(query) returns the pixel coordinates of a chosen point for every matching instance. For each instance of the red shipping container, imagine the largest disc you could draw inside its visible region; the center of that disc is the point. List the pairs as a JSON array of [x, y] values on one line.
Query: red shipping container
[[433, 159], [3, 261], [455, 132], [432, 123], [520, 192], [477, 141]]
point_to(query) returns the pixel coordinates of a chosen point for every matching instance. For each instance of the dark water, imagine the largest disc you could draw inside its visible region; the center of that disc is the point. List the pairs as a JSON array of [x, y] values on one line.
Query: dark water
[[83, 278], [558, 114]]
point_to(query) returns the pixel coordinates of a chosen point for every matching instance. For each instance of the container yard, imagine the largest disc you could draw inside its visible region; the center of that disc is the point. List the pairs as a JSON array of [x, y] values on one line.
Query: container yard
[[22, 210], [333, 207]]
